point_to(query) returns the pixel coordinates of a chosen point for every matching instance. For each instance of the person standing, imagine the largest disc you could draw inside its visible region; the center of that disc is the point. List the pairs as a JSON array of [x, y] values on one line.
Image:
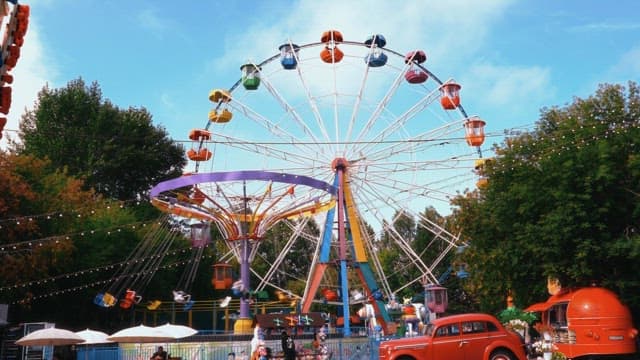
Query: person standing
[[160, 354], [288, 346]]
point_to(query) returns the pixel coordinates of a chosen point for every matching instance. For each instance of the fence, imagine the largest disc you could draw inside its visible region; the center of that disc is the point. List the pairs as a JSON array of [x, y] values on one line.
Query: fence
[[352, 348]]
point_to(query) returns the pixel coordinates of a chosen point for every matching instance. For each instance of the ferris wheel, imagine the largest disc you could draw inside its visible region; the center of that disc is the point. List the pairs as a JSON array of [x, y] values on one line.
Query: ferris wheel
[[364, 133]]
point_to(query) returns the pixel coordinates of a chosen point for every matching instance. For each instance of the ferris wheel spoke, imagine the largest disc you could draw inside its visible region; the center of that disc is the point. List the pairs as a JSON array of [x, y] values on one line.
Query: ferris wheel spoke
[[393, 233], [388, 169], [261, 278], [373, 198], [408, 250], [438, 231], [313, 105], [400, 121], [265, 123], [293, 157], [282, 255], [382, 105], [438, 137], [292, 111], [379, 270], [303, 234], [334, 94], [356, 105], [397, 178], [397, 187]]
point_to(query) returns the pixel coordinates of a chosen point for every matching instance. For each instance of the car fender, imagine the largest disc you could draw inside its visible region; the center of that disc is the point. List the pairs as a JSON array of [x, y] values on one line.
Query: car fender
[[519, 353]]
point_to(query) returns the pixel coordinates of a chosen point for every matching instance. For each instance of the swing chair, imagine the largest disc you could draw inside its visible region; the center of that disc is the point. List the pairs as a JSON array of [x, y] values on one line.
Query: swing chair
[[200, 239], [138, 269]]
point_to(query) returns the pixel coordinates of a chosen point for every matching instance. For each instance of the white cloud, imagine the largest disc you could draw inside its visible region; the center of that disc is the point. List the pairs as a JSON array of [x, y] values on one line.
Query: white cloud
[[35, 68], [625, 68], [450, 33], [501, 86], [446, 31], [628, 67], [505, 95], [149, 20], [166, 100]]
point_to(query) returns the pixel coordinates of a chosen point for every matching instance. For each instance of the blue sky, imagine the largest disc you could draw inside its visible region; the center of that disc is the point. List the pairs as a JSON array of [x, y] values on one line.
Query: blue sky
[[511, 57]]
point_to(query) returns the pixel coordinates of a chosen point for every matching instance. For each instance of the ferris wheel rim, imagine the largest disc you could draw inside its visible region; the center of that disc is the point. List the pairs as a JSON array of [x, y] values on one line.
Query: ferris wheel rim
[[398, 148]]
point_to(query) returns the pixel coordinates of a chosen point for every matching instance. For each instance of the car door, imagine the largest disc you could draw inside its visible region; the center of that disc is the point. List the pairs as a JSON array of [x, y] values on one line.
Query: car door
[[446, 342], [474, 340]]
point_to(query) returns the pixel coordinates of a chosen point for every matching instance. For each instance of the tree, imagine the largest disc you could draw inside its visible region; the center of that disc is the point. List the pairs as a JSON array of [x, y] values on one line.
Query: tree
[[294, 269], [562, 201], [390, 254], [118, 152], [49, 228]]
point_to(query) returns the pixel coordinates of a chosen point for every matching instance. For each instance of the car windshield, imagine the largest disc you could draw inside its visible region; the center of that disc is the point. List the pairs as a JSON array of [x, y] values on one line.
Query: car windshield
[[428, 330]]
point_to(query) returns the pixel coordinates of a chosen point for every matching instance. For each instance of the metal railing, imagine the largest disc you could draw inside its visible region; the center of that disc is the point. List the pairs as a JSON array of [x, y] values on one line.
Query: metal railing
[[351, 348]]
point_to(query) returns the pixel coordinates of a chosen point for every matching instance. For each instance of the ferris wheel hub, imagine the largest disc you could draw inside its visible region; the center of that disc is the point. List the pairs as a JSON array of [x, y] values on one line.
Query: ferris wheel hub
[[339, 164]]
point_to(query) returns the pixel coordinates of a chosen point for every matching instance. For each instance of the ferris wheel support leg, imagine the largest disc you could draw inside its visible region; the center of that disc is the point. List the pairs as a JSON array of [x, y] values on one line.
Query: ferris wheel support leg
[[345, 297], [244, 321], [367, 277], [318, 272], [342, 239]]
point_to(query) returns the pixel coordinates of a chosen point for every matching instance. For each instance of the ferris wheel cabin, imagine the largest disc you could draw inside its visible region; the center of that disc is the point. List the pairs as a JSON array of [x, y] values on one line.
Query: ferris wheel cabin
[[474, 131], [222, 276], [250, 76], [415, 74], [450, 95], [289, 56], [376, 58], [331, 54]]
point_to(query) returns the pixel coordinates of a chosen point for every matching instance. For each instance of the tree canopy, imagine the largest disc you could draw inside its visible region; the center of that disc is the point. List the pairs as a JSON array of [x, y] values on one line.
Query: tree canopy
[[562, 201], [49, 227], [119, 153]]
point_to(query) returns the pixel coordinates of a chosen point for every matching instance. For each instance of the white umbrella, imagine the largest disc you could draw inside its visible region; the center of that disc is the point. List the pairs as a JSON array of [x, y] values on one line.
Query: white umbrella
[[93, 337], [177, 331], [50, 337], [140, 334]]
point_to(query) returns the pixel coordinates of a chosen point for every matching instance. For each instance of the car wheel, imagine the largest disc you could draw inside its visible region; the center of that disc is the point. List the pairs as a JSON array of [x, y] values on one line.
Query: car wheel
[[405, 358], [502, 355]]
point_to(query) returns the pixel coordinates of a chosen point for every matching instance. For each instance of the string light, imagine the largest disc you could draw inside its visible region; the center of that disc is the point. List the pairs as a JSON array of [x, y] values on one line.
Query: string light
[[91, 270], [29, 244], [18, 220], [525, 150], [95, 283]]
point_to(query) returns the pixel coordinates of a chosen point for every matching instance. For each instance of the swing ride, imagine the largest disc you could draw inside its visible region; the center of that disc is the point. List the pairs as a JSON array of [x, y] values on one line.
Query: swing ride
[[130, 280], [365, 135]]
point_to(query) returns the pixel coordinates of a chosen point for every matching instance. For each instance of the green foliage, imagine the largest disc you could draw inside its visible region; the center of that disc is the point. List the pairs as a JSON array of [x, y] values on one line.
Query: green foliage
[[119, 153], [295, 267], [71, 143], [50, 222], [562, 201], [513, 313]]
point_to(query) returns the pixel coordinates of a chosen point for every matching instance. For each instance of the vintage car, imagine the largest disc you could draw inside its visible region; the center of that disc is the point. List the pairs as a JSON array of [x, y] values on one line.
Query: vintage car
[[458, 337]]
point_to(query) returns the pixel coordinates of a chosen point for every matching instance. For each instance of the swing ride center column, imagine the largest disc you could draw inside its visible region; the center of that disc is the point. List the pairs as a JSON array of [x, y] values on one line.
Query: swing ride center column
[[243, 324]]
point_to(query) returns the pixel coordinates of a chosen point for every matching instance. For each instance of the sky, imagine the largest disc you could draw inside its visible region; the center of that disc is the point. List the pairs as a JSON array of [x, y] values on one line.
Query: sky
[[513, 58]]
